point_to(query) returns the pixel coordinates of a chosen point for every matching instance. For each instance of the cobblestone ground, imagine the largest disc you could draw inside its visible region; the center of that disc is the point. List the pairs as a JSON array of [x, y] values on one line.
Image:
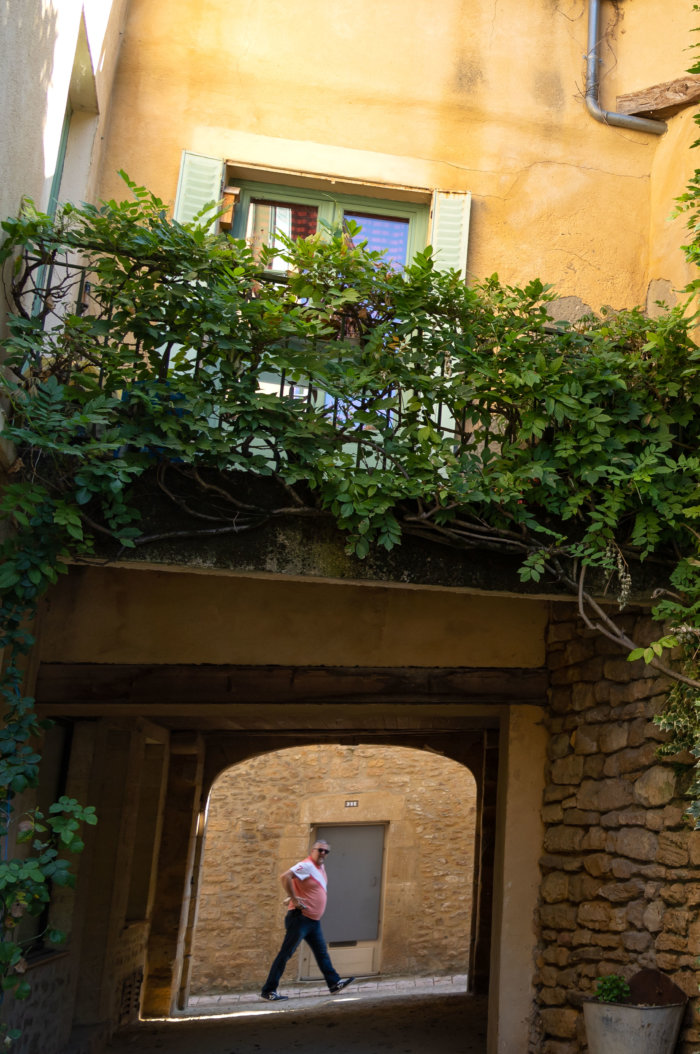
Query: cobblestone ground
[[369, 1018]]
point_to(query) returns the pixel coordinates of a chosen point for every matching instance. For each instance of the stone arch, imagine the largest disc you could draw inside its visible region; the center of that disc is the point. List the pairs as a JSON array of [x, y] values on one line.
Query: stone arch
[[261, 814]]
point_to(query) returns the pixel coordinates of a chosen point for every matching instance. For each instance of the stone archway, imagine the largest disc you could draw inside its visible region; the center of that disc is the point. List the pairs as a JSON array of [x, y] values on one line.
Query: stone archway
[[261, 814], [214, 717]]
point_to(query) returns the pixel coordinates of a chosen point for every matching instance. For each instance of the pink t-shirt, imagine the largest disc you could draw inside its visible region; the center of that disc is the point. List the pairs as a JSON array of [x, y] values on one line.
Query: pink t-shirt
[[309, 884]]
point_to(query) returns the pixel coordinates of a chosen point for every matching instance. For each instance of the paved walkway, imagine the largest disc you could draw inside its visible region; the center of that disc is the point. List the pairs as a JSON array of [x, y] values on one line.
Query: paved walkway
[[397, 1016], [310, 991]]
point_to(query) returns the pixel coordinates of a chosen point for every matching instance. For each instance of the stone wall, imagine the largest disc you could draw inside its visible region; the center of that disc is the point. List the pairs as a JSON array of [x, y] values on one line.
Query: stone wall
[[128, 971], [260, 816], [52, 981], [621, 863]]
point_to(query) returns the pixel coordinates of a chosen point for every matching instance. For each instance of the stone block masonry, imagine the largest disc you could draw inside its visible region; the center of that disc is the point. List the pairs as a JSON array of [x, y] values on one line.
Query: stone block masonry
[[621, 861], [52, 980]]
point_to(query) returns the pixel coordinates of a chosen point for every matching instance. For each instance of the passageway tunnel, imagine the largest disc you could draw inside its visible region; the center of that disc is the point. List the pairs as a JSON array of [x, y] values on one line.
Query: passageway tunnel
[[402, 825], [132, 663]]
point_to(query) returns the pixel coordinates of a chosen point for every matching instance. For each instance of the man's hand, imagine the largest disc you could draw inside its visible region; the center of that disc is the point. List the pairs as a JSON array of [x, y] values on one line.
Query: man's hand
[[292, 899]]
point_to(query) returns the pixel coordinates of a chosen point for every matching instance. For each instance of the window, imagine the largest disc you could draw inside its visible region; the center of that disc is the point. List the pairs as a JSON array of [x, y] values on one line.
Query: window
[[264, 211], [400, 220]]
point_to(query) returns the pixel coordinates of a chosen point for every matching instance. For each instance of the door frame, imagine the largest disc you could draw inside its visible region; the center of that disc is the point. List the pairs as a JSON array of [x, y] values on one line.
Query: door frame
[[362, 957]]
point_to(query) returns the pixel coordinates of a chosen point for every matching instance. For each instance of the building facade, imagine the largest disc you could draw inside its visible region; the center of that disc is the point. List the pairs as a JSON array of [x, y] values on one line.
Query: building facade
[[463, 126]]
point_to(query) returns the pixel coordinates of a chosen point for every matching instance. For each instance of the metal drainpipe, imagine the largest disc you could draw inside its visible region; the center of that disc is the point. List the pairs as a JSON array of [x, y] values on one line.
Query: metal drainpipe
[[620, 120]]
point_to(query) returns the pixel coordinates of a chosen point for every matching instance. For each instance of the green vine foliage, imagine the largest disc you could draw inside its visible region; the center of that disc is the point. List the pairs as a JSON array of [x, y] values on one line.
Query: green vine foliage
[[27, 880], [418, 402], [390, 402], [681, 609]]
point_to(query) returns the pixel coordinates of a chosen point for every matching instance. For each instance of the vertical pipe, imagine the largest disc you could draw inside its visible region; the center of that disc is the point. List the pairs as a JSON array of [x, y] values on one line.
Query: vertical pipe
[[619, 120]]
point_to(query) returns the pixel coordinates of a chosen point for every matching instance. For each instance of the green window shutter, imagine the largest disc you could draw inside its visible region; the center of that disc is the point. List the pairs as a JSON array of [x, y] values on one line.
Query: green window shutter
[[199, 184], [60, 163], [450, 232]]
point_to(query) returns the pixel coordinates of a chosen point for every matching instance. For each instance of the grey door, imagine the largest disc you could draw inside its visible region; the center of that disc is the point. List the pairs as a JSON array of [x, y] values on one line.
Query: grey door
[[354, 869]]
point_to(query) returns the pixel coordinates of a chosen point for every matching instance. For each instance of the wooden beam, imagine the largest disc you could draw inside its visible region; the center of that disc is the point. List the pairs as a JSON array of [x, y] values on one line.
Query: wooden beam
[[201, 689], [662, 100], [322, 721]]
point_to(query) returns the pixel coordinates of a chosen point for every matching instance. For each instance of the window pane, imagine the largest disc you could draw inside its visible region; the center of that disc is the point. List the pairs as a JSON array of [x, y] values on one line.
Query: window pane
[[268, 219], [383, 233]]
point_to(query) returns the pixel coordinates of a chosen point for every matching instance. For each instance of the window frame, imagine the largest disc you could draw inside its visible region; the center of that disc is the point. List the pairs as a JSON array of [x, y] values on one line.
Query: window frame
[[207, 184], [331, 208]]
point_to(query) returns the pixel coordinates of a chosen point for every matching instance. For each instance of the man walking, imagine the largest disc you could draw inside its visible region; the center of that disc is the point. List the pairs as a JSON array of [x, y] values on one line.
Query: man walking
[[305, 885]]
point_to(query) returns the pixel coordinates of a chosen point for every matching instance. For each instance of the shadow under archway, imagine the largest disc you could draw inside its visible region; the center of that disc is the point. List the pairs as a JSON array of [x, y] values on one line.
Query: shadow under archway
[[419, 1024]]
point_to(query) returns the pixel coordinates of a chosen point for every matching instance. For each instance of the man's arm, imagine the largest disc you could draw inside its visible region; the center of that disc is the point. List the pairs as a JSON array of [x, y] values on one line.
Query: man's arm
[[286, 880]]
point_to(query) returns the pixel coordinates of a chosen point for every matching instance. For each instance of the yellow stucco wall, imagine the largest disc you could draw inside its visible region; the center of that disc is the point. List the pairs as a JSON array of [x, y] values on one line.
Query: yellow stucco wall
[[477, 95], [110, 615], [675, 155], [53, 51], [517, 885], [50, 51]]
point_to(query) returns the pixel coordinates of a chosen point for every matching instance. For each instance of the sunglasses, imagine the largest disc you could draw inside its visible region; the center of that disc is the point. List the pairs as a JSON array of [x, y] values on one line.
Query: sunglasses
[[324, 851]]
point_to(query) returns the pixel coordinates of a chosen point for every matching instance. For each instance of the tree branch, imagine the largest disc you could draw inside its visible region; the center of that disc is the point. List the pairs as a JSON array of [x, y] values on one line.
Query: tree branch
[[613, 632]]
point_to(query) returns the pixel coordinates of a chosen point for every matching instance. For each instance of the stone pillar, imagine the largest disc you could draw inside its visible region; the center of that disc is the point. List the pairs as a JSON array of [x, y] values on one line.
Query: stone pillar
[[621, 863], [68, 905], [519, 835], [191, 918], [484, 849], [115, 790], [166, 945], [149, 827]]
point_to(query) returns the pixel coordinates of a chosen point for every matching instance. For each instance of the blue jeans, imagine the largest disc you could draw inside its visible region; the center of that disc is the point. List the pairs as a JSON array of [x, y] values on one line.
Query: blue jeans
[[299, 928]]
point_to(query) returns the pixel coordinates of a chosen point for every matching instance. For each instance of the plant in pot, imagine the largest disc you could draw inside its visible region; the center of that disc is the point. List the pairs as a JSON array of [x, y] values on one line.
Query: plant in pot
[[640, 1016]]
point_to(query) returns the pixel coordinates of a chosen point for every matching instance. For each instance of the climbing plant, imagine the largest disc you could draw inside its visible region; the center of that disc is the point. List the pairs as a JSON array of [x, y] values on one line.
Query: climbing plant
[[681, 607], [151, 357]]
